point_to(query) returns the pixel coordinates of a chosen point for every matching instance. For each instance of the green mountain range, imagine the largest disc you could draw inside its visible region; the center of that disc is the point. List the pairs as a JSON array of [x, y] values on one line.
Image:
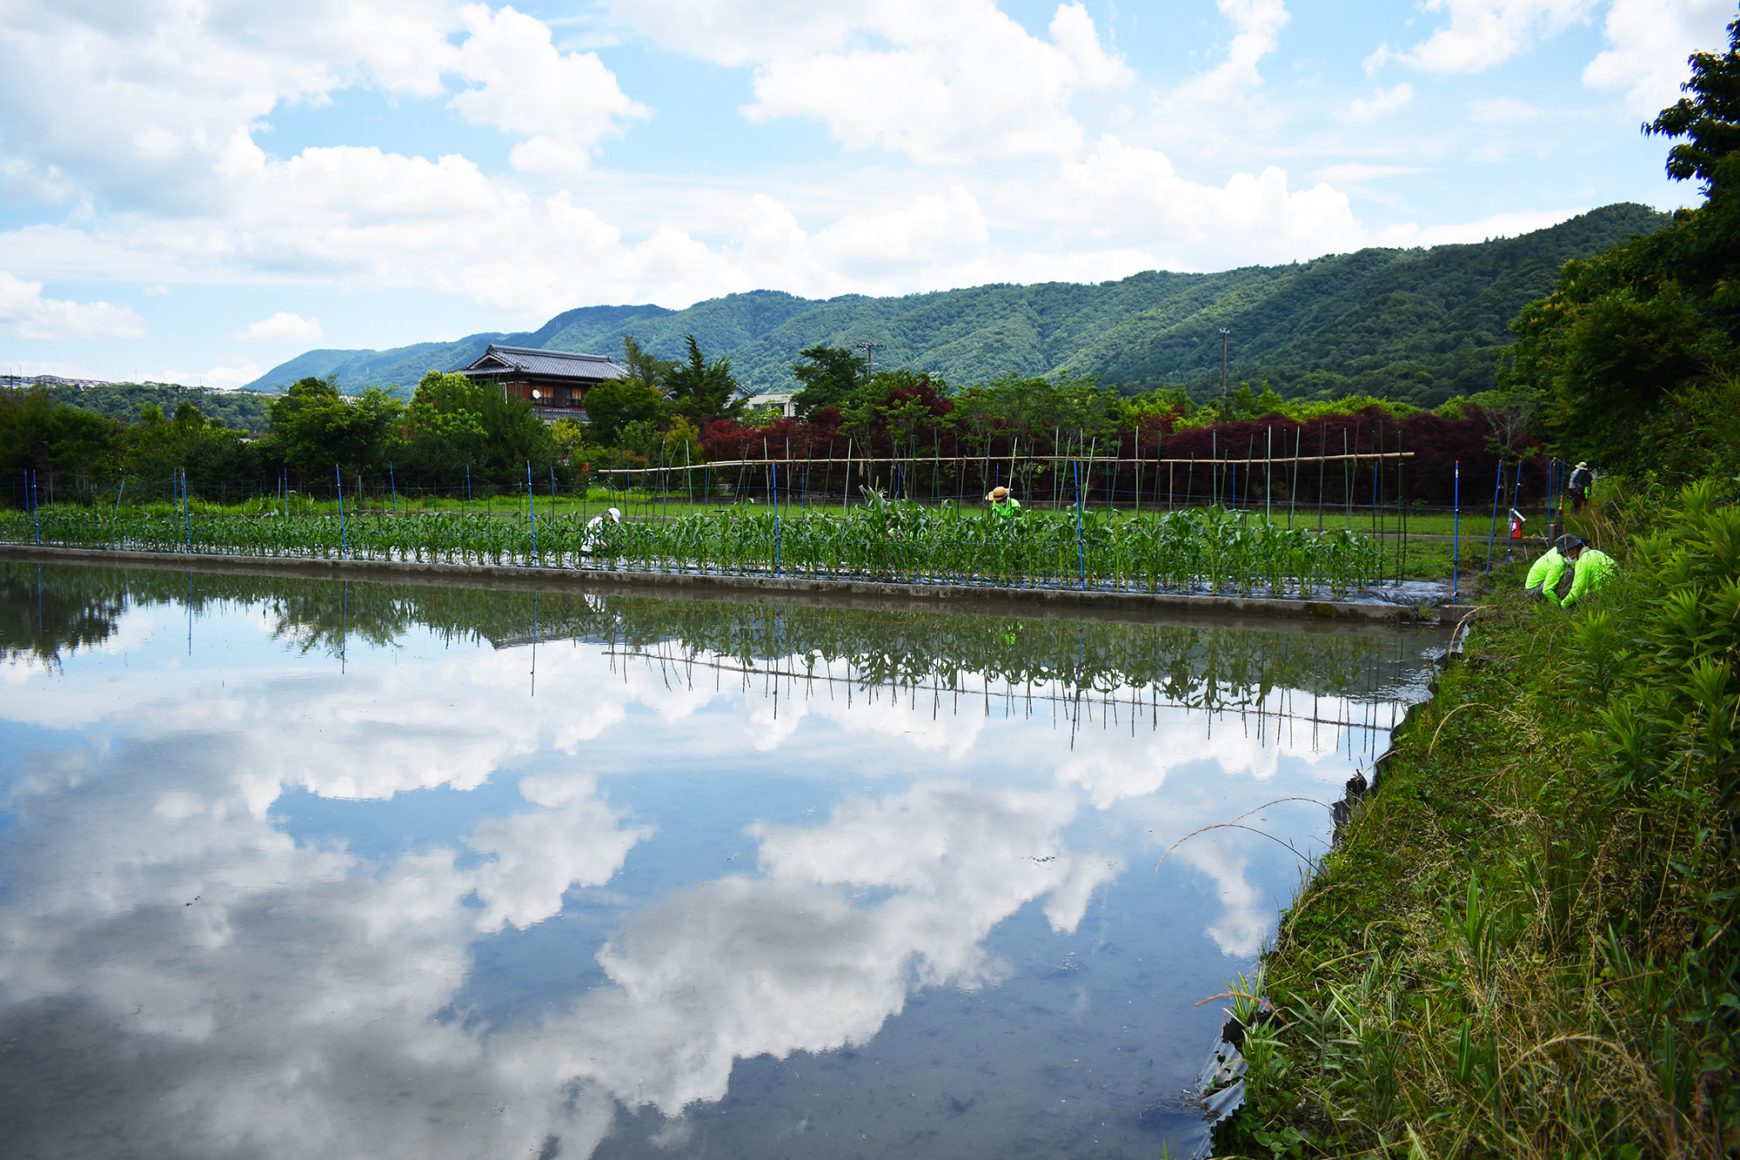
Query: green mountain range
[[1412, 324]]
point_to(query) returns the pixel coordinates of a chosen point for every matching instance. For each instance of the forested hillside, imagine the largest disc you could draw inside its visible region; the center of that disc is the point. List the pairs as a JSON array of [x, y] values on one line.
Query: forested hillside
[[126, 402], [1416, 325]]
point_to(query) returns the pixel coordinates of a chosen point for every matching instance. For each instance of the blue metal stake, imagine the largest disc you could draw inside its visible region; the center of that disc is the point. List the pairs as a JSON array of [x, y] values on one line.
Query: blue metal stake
[[343, 536], [35, 506], [1492, 533], [186, 511], [1080, 550], [532, 511], [776, 529], [393, 482], [1554, 496], [1515, 495], [1455, 527]]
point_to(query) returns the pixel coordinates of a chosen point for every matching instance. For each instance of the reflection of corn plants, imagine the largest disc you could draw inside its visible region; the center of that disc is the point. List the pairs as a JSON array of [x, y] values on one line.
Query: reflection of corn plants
[[1202, 667], [1202, 549]]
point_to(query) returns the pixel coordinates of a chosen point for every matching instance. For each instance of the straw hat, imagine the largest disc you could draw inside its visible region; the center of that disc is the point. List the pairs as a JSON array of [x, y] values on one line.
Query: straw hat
[[997, 493]]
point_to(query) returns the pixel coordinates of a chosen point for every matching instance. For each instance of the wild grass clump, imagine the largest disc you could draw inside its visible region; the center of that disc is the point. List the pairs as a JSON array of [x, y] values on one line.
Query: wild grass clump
[[1525, 945]]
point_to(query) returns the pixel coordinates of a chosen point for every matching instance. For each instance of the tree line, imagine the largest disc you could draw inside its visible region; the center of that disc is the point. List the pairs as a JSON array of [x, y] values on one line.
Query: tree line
[[679, 413]]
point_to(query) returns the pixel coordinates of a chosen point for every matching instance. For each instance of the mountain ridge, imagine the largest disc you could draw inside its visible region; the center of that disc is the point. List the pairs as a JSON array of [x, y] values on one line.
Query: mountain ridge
[[1417, 324]]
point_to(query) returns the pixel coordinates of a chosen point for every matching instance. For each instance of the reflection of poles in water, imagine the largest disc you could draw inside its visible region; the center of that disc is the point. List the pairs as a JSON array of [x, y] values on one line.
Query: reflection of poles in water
[[190, 614], [1357, 715], [39, 631], [343, 625], [534, 644]]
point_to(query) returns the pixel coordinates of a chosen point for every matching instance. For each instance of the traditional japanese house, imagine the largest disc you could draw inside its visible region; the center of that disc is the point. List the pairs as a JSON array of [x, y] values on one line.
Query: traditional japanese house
[[554, 382]]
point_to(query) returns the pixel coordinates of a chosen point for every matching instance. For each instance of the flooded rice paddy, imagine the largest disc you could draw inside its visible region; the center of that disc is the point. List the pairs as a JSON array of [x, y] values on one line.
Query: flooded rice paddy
[[298, 868]]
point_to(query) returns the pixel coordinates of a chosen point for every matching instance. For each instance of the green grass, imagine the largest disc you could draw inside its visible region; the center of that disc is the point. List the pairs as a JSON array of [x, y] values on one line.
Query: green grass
[[1524, 945]]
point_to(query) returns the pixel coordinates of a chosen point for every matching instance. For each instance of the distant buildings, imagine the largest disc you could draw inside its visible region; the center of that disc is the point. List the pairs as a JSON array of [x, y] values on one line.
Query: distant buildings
[[785, 402], [23, 381], [553, 382]]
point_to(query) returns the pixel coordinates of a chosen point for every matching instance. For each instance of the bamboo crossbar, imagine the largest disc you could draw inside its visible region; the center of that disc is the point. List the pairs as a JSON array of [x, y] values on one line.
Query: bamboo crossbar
[[1089, 460]]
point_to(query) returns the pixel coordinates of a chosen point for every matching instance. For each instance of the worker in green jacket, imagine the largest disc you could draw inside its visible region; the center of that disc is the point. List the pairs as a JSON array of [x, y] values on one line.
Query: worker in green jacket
[[1544, 573], [1005, 508], [1593, 569]]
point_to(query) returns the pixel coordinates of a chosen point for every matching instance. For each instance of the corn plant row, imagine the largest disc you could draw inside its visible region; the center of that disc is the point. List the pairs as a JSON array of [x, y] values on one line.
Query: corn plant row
[[1209, 550]]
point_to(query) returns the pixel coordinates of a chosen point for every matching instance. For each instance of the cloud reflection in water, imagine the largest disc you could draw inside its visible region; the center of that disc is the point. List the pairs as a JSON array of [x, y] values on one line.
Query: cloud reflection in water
[[194, 977]]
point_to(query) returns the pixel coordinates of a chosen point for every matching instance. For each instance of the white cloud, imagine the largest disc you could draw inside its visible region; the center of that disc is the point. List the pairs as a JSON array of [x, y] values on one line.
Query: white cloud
[[1257, 33], [1134, 196], [1360, 172], [1503, 225], [940, 83], [1484, 33], [25, 313], [1381, 102], [564, 104], [226, 376], [282, 327], [934, 226], [1651, 40], [142, 105]]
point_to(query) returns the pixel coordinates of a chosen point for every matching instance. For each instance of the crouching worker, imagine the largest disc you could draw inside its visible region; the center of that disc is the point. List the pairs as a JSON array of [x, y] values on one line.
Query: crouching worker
[[597, 536], [1543, 578], [1593, 567], [1004, 507]]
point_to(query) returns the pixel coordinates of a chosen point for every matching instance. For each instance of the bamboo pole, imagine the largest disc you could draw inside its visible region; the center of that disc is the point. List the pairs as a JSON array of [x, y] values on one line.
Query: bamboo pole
[[1358, 456]]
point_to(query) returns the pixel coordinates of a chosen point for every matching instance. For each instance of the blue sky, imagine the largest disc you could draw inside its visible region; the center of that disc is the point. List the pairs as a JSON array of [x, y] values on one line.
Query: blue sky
[[196, 190]]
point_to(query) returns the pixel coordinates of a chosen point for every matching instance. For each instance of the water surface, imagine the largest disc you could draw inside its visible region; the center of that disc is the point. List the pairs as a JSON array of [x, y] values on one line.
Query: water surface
[[301, 868]]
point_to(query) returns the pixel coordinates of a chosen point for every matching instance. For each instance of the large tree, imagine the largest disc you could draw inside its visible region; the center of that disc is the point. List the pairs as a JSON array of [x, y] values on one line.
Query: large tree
[[643, 366], [615, 403], [700, 390], [1705, 122], [455, 423], [42, 435], [212, 454], [314, 428], [830, 375], [1636, 338]]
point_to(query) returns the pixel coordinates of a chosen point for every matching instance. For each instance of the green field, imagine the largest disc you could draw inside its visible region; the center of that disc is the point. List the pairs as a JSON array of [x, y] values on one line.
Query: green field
[[1188, 550]]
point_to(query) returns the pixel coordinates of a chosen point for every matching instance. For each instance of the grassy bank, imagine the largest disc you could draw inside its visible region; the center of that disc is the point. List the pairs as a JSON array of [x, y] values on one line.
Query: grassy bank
[[1525, 944]]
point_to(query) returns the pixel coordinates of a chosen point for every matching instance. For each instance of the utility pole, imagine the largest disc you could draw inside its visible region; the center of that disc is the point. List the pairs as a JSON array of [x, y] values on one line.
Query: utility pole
[[869, 349], [1225, 342]]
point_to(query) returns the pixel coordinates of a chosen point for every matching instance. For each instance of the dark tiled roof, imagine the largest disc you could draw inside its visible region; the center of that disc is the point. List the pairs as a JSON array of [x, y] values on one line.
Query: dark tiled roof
[[552, 363]]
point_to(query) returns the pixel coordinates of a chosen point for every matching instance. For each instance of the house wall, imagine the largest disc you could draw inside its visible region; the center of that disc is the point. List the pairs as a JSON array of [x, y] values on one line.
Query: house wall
[[551, 396]]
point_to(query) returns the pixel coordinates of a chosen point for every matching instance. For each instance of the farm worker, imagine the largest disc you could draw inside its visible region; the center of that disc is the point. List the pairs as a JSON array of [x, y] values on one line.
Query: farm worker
[[1004, 507], [595, 536], [1594, 569], [1581, 478], [1544, 573]]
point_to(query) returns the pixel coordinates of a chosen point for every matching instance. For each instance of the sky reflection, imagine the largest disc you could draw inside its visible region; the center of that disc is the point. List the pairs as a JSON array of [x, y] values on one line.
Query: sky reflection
[[457, 895]]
